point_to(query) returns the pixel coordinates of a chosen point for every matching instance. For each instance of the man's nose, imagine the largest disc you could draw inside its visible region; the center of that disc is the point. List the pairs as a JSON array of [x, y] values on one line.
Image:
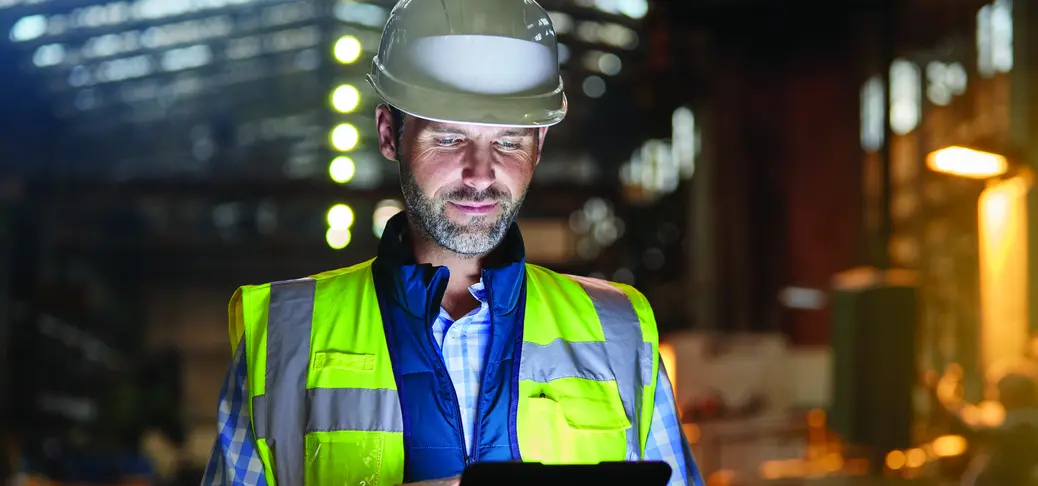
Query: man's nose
[[479, 170]]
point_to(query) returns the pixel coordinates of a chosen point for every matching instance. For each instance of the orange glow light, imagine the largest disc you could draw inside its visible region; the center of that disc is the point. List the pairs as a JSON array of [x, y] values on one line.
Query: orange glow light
[[896, 460], [915, 458], [692, 433], [1003, 271], [969, 163], [670, 361], [949, 445]]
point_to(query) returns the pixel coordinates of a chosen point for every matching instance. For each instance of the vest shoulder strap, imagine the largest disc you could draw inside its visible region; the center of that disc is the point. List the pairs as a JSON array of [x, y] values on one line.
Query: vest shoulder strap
[[241, 317], [605, 290]]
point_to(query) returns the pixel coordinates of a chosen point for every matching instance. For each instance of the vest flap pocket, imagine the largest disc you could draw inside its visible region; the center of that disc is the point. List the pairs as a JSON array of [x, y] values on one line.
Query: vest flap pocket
[[601, 414], [589, 405], [344, 361], [561, 424], [542, 406]]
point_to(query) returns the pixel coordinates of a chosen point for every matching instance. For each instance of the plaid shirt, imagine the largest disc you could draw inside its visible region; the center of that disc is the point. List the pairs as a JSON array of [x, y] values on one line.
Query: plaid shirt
[[235, 460]]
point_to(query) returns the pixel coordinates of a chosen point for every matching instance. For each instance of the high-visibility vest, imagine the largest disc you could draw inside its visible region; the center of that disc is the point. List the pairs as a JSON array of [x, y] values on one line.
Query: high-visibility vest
[[324, 402]]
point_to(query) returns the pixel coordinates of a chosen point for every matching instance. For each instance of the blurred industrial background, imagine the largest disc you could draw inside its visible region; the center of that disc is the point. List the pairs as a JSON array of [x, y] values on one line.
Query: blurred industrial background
[[828, 207]]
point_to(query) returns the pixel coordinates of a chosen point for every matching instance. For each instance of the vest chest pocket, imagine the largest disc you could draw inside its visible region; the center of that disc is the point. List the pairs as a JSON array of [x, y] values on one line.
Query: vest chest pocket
[[572, 423]]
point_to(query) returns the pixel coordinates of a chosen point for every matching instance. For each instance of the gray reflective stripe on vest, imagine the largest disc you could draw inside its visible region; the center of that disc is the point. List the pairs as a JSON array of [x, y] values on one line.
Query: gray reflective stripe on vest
[[626, 351], [288, 410], [335, 409], [563, 359], [624, 356], [289, 321]]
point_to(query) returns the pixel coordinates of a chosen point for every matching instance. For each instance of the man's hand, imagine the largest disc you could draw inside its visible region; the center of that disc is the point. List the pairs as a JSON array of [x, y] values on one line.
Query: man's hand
[[437, 482]]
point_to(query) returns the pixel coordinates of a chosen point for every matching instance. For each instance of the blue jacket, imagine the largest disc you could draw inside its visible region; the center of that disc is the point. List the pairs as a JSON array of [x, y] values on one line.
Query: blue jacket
[[409, 296]]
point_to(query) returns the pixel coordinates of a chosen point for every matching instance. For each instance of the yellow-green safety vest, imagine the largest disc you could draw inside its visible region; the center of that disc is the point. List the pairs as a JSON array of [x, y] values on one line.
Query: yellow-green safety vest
[[587, 375]]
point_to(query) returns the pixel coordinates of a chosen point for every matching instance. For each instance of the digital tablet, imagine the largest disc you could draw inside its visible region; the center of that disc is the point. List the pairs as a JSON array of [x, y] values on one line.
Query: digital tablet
[[644, 473]]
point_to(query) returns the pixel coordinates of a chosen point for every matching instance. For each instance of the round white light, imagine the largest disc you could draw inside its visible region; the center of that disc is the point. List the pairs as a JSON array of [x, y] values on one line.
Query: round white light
[[345, 98], [384, 211], [345, 137], [340, 216], [338, 238], [594, 86], [347, 49], [342, 169]]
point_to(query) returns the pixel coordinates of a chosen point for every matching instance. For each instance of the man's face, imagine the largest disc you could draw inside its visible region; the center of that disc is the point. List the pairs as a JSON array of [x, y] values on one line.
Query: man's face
[[463, 184]]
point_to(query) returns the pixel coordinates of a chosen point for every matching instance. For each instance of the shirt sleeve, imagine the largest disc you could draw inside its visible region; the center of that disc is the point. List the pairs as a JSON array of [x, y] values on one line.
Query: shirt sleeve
[[235, 461], [667, 437]]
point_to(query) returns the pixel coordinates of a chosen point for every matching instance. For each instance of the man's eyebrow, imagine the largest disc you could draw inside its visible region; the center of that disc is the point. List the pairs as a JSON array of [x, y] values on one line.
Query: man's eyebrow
[[443, 128], [512, 132]]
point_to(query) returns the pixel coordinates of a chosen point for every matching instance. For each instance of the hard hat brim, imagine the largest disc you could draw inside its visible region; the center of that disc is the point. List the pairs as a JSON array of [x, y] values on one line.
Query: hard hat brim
[[541, 110]]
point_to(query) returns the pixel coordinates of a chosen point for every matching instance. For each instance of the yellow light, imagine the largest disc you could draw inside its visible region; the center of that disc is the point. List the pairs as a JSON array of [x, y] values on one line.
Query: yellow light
[[670, 361], [342, 169], [692, 433], [338, 238], [783, 468], [345, 137], [964, 162], [970, 414], [832, 462], [347, 49], [948, 389], [949, 445], [895, 460], [1003, 255], [345, 98], [340, 216], [992, 413], [915, 458], [384, 211], [771, 469]]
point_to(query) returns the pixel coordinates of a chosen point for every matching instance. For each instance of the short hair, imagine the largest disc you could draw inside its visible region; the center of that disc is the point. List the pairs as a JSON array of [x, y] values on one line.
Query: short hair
[[398, 119]]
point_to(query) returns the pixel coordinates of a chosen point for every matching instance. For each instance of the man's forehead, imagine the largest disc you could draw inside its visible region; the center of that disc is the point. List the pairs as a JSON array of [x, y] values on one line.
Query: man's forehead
[[472, 129]]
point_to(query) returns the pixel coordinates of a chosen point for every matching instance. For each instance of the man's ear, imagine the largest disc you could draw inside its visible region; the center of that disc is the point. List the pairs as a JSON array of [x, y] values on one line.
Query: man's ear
[[387, 136], [542, 132]]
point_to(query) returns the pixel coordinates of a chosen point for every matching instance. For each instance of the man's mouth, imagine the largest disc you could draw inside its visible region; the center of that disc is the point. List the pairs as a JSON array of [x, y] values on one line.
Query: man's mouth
[[475, 208]]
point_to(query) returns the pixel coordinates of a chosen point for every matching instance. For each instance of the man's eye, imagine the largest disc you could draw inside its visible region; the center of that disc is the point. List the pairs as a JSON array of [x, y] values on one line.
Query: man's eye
[[509, 145], [447, 142]]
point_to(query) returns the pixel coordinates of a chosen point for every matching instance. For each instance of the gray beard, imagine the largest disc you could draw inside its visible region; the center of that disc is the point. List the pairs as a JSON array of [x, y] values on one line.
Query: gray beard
[[429, 215]]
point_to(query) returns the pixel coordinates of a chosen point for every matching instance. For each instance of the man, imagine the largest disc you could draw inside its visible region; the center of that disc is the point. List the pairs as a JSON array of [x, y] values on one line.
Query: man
[[447, 348]]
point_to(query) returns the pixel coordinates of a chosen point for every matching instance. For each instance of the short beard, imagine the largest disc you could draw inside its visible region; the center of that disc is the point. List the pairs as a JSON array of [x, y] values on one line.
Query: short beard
[[429, 215]]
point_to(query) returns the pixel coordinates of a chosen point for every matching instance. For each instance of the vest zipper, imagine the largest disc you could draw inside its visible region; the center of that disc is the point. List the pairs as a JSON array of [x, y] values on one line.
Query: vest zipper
[[457, 410], [444, 373], [486, 360]]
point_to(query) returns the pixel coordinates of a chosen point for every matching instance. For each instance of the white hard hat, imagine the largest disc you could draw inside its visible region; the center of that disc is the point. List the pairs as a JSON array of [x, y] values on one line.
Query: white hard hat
[[491, 62]]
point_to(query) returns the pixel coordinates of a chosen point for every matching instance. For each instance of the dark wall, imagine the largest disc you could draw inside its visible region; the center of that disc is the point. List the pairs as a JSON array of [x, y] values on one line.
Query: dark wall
[[779, 99], [822, 188]]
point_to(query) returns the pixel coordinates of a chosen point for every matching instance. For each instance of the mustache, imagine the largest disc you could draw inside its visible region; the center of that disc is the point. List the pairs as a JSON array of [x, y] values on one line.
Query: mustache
[[470, 194]]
